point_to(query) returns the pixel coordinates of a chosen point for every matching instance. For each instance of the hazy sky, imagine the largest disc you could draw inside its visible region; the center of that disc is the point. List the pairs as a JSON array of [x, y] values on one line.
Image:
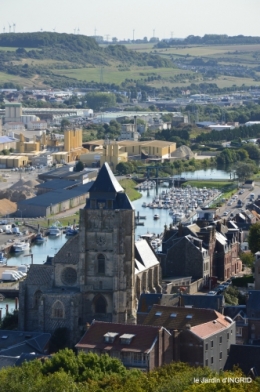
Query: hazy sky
[[118, 18]]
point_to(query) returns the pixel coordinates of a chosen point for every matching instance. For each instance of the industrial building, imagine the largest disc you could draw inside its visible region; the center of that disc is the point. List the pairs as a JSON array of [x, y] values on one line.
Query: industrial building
[[51, 203], [66, 173]]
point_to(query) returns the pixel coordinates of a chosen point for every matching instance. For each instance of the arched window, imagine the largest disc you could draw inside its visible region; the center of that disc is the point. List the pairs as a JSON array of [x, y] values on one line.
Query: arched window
[[58, 310], [100, 305], [101, 264], [36, 298]]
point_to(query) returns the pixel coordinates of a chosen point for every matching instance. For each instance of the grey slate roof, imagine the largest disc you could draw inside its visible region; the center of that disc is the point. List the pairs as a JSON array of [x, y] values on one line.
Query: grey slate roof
[[246, 357], [6, 361], [69, 253], [40, 275], [58, 184], [106, 181], [146, 302], [253, 302], [14, 343], [58, 196], [215, 302]]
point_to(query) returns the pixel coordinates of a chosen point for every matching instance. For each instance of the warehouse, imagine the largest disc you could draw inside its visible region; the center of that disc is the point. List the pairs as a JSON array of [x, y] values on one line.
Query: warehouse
[[54, 202]]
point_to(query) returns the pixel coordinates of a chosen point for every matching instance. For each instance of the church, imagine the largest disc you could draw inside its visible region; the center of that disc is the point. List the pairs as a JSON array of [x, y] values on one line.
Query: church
[[98, 274]]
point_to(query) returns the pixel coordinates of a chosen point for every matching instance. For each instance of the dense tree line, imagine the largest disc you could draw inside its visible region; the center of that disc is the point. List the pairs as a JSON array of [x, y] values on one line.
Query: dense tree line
[[243, 132], [74, 48], [210, 39], [67, 372]]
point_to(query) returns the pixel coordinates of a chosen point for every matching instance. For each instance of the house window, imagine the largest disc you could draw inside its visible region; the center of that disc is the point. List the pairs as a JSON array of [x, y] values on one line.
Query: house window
[[220, 355], [206, 347], [239, 331], [212, 360], [206, 362], [139, 358], [220, 339], [126, 338], [211, 344], [101, 264], [227, 335], [58, 310]]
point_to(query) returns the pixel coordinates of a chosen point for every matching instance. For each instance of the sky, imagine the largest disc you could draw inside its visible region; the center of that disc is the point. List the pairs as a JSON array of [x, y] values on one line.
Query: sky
[[136, 19]]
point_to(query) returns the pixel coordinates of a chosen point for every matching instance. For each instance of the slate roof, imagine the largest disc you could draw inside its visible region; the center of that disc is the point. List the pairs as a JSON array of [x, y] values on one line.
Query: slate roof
[[58, 184], [14, 343], [203, 301], [144, 256], [106, 181], [69, 253], [253, 302], [6, 361], [143, 340], [146, 302], [247, 357], [40, 275], [57, 196], [164, 318]]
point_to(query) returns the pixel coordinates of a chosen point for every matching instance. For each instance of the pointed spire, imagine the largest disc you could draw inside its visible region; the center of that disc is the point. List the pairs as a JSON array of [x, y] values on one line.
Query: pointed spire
[[106, 182]]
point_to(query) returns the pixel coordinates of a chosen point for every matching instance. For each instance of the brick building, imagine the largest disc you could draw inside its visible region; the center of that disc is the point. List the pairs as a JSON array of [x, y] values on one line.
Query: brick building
[[201, 337], [137, 346]]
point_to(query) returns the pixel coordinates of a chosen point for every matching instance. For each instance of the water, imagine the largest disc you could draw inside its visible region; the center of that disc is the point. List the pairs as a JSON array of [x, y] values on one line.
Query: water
[[151, 225], [207, 174], [39, 252]]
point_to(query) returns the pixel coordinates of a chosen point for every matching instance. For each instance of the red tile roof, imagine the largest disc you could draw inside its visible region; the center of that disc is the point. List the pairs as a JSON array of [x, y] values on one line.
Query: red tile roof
[[143, 340], [207, 329]]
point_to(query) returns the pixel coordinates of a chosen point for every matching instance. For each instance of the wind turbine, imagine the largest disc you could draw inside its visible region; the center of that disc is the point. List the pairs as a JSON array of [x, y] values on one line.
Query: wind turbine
[[10, 27], [4, 30], [54, 29], [78, 30], [14, 27]]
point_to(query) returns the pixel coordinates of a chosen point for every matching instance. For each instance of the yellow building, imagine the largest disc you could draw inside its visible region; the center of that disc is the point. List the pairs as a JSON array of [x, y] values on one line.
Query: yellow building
[[112, 155], [157, 148], [11, 161], [72, 139], [24, 147]]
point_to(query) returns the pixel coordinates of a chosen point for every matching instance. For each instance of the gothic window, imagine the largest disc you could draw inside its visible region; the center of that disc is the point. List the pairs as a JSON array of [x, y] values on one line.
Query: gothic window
[[69, 276], [101, 264], [58, 310], [100, 305], [36, 298]]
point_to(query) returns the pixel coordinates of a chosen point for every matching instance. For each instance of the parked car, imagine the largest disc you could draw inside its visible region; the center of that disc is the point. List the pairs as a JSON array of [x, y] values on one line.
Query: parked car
[[212, 293]]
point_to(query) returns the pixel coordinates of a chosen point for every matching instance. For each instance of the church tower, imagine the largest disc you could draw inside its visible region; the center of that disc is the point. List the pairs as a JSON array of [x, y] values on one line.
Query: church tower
[[106, 252]]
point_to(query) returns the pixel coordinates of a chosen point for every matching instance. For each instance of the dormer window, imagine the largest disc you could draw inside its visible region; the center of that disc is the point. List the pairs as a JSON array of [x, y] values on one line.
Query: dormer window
[[126, 338], [158, 313], [173, 315], [109, 337], [189, 316]]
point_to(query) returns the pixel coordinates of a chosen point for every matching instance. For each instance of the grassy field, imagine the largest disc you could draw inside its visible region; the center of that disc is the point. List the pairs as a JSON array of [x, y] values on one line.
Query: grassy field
[[246, 55], [128, 186], [114, 75]]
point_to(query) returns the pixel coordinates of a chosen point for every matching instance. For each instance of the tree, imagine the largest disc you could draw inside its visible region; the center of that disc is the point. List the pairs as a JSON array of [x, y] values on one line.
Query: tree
[[254, 237], [64, 123], [79, 166], [96, 101], [247, 259], [253, 151], [244, 170]]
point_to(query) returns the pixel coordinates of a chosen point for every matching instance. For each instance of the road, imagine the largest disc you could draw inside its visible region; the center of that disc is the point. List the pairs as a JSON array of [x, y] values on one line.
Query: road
[[233, 209]]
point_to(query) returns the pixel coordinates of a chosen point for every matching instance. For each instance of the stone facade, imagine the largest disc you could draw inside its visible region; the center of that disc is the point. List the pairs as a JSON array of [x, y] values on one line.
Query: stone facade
[[93, 276]]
